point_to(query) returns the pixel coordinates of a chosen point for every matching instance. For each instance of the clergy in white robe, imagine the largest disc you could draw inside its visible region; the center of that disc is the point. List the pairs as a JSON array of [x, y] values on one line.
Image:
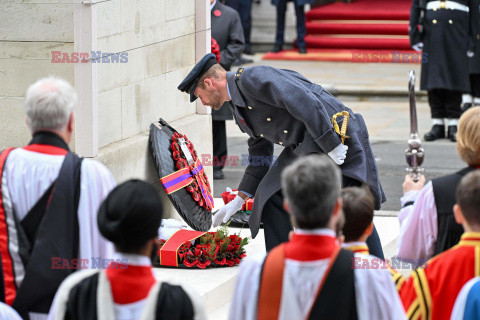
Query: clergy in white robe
[[48, 203], [427, 223], [127, 290], [8, 313], [315, 276]]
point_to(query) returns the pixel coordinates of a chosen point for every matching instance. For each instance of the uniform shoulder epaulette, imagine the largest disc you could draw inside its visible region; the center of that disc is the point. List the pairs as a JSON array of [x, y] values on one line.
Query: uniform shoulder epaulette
[[238, 73]]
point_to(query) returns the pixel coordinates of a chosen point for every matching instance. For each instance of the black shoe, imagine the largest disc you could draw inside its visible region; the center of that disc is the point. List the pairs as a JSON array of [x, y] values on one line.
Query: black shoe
[[218, 175], [248, 50], [241, 61], [277, 48], [452, 133], [437, 132], [302, 50], [466, 106]]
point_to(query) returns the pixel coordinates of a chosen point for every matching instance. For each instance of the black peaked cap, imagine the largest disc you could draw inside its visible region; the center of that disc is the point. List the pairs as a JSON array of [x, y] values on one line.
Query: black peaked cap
[[189, 84]]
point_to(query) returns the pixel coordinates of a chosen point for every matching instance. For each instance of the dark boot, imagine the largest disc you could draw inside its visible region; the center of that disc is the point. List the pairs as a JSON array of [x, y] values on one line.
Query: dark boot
[[452, 133], [437, 132], [302, 50], [277, 48], [218, 174], [466, 106]]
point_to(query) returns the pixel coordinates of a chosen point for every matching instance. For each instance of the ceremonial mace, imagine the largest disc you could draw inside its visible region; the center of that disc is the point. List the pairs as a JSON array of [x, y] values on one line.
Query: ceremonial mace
[[415, 153]]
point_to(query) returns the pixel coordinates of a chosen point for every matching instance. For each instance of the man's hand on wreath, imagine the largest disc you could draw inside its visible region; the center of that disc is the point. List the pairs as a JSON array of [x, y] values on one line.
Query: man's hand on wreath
[[227, 211], [339, 154]]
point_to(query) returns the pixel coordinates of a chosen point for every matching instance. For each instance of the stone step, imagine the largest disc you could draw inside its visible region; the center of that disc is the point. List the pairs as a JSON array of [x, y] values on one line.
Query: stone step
[[216, 285]]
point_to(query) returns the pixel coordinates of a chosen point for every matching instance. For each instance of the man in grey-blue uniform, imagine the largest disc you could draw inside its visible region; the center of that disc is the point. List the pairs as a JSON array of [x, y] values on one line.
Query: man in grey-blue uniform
[[282, 107]]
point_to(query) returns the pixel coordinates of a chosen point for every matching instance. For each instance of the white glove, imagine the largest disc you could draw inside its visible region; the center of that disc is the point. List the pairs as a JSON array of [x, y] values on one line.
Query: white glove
[[418, 47], [470, 54], [339, 154], [227, 211]]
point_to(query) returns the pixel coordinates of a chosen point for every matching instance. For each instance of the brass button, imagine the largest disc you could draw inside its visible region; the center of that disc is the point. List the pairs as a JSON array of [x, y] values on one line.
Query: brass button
[[261, 135], [250, 108], [286, 131], [280, 143], [434, 21], [269, 119], [450, 21]]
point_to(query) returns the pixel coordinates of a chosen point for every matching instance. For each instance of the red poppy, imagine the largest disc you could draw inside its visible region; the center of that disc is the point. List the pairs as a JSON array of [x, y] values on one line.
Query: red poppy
[[189, 263], [220, 262], [203, 265], [194, 184], [182, 163], [196, 196], [197, 252], [175, 146], [182, 254], [230, 263]]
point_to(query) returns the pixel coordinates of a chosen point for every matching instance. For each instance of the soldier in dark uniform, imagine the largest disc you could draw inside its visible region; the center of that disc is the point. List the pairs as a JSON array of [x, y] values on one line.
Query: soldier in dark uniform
[[275, 106], [244, 9], [473, 98], [301, 24], [448, 36], [227, 31]]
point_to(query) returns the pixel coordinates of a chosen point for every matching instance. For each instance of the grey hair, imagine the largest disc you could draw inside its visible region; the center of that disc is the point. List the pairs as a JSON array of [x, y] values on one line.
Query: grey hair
[[311, 186], [49, 103]]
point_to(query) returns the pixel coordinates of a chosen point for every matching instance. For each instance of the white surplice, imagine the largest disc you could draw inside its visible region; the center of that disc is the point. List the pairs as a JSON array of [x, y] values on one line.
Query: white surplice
[[375, 293], [27, 175], [418, 225]]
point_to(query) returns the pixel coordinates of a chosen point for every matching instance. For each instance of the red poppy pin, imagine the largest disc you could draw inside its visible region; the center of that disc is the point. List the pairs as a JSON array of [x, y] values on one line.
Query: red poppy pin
[[217, 13]]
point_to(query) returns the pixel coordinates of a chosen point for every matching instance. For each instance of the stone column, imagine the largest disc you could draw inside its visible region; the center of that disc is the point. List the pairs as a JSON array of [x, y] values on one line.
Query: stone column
[[202, 39], [85, 79]]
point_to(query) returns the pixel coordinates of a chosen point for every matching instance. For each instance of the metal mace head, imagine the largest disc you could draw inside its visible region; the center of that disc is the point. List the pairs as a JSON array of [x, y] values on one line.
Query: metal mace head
[[415, 153]]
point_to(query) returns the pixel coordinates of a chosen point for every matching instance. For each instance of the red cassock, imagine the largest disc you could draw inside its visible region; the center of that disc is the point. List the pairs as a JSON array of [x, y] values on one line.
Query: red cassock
[[430, 291]]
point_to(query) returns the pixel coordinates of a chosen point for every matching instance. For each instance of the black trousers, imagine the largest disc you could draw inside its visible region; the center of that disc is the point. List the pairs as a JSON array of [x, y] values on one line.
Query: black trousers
[[219, 134], [445, 103], [244, 9], [301, 24], [475, 84], [277, 226]]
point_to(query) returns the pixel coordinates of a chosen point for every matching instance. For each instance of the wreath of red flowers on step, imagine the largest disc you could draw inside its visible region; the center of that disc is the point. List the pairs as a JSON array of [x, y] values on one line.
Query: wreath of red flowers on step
[[192, 177], [209, 249]]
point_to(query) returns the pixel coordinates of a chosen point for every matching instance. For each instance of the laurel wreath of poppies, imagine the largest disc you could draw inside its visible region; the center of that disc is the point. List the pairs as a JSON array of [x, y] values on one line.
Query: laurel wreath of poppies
[[181, 162], [213, 249]]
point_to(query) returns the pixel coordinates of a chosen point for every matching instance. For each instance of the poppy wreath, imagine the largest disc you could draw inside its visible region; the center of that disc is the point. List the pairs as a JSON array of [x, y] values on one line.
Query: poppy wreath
[[212, 249], [192, 177]]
